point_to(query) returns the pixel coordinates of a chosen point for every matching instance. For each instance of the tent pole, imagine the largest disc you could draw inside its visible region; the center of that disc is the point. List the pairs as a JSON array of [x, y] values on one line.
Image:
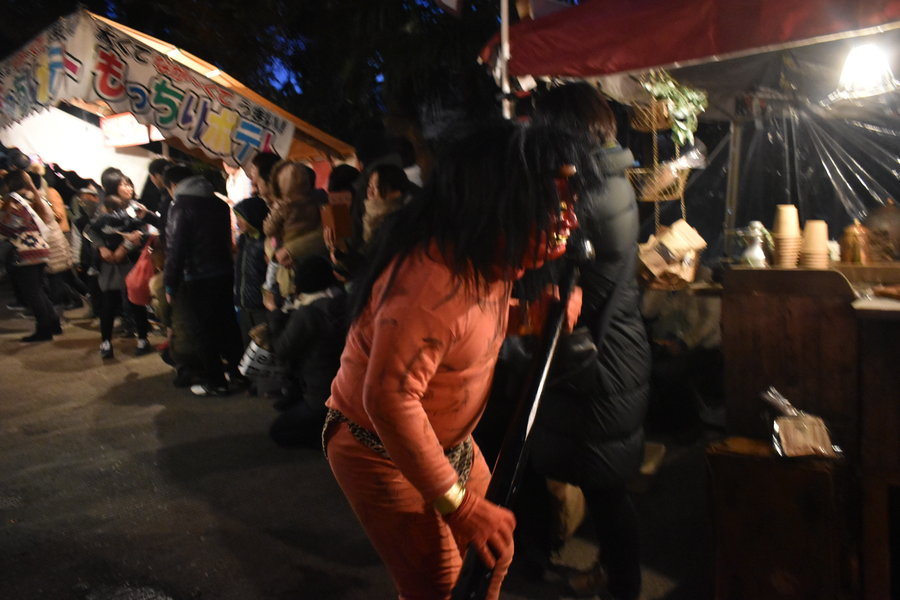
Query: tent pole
[[506, 103], [731, 192]]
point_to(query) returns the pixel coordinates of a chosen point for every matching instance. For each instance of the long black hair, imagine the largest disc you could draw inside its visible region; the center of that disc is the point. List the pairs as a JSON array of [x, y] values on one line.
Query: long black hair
[[110, 180], [578, 106], [491, 194]]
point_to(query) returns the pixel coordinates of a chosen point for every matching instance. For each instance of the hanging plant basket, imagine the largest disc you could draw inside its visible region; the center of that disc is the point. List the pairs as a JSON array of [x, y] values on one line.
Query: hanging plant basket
[[658, 184], [684, 104], [651, 117]]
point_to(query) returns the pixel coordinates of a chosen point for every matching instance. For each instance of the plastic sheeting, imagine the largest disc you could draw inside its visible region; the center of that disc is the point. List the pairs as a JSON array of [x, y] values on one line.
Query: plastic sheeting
[[836, 162]]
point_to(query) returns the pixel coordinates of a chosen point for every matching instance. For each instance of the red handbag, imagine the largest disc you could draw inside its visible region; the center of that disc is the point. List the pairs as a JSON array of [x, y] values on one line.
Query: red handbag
[[137, 282]]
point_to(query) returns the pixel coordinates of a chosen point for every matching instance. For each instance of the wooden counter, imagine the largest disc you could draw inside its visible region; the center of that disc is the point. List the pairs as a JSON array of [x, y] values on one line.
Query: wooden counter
[[805, 333]]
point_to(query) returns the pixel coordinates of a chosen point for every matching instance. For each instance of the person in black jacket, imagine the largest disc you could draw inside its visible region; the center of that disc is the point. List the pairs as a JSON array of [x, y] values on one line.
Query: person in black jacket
[[199, 266], [250, 264], [118, 236], [593, 436], [309, 339]]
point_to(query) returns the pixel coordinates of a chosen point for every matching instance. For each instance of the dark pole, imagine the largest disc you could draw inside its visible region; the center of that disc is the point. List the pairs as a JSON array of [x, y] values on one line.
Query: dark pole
[[474, 576]]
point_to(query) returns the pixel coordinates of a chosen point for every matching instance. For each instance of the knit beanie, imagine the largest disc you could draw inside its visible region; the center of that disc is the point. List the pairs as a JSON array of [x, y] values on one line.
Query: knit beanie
[[254, 210]]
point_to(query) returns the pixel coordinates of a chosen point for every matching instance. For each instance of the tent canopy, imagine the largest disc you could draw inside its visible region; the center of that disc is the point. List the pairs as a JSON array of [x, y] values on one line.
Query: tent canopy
[[767, 66], [601, 37], [92, 59]]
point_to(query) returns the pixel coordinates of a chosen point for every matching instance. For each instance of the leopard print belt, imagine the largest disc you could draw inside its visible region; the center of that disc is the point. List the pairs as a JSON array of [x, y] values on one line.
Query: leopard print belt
[[460, 456]]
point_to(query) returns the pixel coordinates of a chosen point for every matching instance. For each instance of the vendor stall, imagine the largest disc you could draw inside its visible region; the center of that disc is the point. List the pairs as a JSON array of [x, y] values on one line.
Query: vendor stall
[[798, 132], [108, 68]]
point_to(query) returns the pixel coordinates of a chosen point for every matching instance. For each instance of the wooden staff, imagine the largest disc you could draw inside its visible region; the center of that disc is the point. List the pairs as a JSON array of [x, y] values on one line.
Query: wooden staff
[[474, 577]]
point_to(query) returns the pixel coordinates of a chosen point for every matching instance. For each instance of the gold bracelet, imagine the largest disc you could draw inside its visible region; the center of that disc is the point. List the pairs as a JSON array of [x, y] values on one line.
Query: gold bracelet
[[450, 500]]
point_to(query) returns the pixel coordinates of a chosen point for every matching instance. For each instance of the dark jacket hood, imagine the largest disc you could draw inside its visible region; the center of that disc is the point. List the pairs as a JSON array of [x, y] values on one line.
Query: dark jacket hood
[[253, 210], [197, 185]]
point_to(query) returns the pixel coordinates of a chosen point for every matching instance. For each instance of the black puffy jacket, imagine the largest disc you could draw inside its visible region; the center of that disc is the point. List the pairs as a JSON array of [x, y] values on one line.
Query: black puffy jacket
[[596, 439], [198, 236], [310, 340]]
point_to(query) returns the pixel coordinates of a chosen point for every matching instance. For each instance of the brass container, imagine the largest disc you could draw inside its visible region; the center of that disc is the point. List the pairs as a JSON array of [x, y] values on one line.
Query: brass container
[[855, 247], [884, 228]]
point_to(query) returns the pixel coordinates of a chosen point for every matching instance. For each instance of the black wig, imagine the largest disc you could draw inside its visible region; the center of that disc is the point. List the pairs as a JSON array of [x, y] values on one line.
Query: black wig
[[492, 192]]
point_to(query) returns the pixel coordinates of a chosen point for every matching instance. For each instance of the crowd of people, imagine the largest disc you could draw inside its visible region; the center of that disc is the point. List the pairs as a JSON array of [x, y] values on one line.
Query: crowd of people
[[385, 301]]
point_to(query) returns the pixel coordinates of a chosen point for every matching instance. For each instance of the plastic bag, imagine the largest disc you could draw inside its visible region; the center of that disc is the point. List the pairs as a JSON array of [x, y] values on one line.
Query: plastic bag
[[795, 433]]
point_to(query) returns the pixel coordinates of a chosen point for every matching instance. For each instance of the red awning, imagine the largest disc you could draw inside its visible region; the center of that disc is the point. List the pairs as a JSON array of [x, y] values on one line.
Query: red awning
[[602, 37]]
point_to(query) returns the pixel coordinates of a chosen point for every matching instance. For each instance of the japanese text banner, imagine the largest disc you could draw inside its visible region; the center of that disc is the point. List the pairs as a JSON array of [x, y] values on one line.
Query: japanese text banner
[[84, 58]]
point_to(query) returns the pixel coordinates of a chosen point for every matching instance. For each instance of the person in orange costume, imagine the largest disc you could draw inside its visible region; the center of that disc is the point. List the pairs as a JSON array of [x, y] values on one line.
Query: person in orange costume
[[429, 317]]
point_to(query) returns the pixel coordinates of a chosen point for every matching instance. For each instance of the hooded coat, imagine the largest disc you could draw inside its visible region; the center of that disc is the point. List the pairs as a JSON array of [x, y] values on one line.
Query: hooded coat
[[590, 433], [198, 236]]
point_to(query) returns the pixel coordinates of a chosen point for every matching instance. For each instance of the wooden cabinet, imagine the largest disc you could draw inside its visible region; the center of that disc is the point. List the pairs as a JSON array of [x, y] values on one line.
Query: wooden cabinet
[[805, 333], [794, 330], [879, 365]]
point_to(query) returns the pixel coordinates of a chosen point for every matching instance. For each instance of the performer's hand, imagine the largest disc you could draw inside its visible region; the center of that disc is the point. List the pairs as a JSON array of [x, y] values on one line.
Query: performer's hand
[[485, 526]]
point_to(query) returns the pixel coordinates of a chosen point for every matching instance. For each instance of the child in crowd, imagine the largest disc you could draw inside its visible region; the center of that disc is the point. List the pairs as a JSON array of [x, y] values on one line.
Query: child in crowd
[[250, 264], [293, 230]]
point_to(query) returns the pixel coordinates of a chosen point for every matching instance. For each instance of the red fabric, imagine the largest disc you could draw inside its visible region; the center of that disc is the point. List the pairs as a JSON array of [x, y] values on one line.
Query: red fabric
[[486, 529], [137, 282], [602, 37], [412, 539], [417, 366]]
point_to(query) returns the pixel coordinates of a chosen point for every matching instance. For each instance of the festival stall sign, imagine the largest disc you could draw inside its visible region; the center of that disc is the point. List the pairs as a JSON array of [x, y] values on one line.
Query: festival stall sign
[[91, 58], [123, 130]]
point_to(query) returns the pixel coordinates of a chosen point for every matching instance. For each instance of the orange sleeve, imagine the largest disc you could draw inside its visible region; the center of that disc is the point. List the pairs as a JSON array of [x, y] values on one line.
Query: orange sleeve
[[408, 343]]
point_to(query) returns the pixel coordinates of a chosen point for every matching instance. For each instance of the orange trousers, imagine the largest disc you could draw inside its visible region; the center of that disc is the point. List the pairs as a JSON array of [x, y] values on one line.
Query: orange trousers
[[411, 538]]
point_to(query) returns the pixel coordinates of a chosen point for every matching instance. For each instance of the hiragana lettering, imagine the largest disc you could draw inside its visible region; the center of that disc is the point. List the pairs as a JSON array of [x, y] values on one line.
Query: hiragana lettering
[[193, 115], [109, 75], [140, 97], [166, 99]]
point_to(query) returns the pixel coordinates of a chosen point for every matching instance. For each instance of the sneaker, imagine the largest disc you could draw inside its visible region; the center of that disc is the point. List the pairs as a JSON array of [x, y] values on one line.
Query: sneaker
[[106, 349], [15, 306], [143, 347], [201, 389]]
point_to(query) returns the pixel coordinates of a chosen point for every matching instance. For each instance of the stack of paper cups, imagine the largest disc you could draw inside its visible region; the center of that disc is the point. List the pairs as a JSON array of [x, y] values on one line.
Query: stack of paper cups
[[786, 233], [814, 247]]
